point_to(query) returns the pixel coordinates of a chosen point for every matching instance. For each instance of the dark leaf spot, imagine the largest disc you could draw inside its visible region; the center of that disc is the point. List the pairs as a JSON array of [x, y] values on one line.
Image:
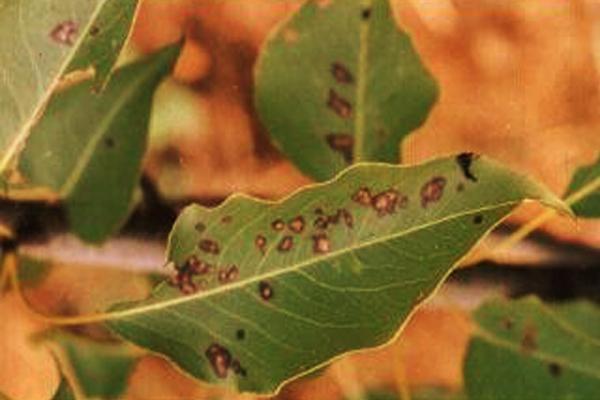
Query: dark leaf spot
[[200, 227], [341, 73], [460, 187], [266, 290], [278, 225], [529, 339], [478, 219], [65, 32], [348, 219], [209, 246], [261, 243], [94, 30], [362, 196], [388, 201], [229, 274], [219, 358], [238, 369], [226, 219], [343, 143], [296, 225], [185, 273], [365, 13], [555, 369], [339, 105], [465, 160], [319, 211], [321, 222], [286, 244], [240, 334], [109, 142], [432, 190], [321, 243]]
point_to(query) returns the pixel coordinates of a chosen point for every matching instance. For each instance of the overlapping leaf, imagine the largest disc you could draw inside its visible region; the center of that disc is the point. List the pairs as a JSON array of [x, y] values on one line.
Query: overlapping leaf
[[263, 292], [40, 40], [339, 82], [88, 147], [526, 350], [589, 205]]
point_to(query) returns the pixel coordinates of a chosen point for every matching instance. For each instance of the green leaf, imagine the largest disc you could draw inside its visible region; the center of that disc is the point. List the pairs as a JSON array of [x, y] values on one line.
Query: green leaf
[[101, 369], [588, 206], [88, 148], [41, 40], [272, 304], [526, 350], [339, 83]]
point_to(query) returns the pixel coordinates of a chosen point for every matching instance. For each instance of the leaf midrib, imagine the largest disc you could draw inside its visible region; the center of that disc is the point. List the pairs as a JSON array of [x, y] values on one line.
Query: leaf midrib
[[27, 125], [276, 272]]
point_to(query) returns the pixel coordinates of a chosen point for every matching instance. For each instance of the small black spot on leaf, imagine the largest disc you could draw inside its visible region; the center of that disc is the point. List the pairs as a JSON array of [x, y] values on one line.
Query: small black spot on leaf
[[94, 30], [109, 142], [465, 160], [200, 227], [478, 219], [365, 14], [555, 369], [240, 334], [339, 105]]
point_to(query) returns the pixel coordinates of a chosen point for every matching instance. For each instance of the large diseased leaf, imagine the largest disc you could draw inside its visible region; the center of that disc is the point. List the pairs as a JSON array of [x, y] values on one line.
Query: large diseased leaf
[[40, 40], [588, 206], [264, 292], [526, 350], [88, 148], [339, 82]]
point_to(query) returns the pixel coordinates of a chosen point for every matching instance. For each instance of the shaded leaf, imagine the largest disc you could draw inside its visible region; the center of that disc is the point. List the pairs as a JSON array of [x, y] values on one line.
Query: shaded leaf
[[41, 40], [525, 350], [64, 391], [277, 290], [101, 369], [589, 206], [88, 148], [339, 83]]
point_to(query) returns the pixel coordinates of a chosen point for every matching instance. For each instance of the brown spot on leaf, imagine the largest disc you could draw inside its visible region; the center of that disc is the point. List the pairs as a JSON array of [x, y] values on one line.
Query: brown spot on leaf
[[209, 246], [347, 216], [226, 219], [261, 243], [219, 358], [285, 244], [200, 227], [278, 224], [94, 30], [321, 243], [343, 143], [339, 105], [478, 219], [266, 290], [529, 339], [296, 225], [185, 273], [432, 190], [465, 160], [388, 201], [65, 32], [238, 369], [362, 196], [341, 73], [321, 222], [555, 369], [228, 274], [460, 187]]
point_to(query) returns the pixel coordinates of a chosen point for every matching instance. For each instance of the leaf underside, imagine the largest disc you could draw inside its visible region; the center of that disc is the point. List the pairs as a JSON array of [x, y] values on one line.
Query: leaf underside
[[588, 207], [527, 350], [263, 292], [92, 159], [340, 83], [41, 40]]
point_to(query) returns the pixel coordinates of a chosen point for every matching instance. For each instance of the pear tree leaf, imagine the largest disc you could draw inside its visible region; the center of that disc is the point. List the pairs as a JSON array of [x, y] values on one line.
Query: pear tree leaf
[[525, 349], [101, 369], [88, 147], [264, 292], [588, 206], [340, 82], [40, 41]]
